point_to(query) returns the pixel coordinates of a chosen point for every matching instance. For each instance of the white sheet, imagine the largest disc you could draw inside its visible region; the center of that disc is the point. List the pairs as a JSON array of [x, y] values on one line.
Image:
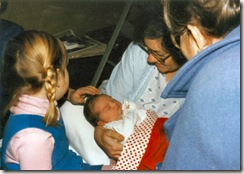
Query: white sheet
[[80, 134]]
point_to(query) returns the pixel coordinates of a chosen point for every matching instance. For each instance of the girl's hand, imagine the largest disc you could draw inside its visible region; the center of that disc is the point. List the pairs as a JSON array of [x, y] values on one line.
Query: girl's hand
[[78, 96], [109, 141]]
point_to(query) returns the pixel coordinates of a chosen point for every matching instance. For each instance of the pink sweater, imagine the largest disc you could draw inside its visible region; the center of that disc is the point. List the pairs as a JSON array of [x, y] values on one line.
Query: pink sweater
[[31, 147]]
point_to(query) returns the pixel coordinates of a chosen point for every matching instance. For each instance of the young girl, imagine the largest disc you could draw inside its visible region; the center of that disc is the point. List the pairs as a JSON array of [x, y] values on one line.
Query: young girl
[[35, 77]]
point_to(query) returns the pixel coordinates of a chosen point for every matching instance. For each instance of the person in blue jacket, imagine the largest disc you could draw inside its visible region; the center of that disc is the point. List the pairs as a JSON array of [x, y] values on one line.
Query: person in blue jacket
[[35, 77], [205, 133]]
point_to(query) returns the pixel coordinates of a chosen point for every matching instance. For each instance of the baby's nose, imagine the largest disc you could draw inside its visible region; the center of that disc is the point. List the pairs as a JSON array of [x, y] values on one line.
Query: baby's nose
[[112, 104]]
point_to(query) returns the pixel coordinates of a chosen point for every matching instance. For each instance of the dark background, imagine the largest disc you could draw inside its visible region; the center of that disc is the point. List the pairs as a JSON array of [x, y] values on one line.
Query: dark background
[[82, 70]]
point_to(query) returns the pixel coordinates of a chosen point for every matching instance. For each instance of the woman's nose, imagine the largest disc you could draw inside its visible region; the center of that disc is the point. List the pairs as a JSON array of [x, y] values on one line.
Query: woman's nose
[[151, 59]]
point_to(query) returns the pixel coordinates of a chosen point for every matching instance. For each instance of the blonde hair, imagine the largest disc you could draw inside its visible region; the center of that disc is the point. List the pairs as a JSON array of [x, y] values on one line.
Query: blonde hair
[[30, 62]]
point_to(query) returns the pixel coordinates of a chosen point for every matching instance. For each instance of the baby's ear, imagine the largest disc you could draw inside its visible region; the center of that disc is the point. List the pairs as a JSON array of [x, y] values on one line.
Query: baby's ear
[[100, 123]]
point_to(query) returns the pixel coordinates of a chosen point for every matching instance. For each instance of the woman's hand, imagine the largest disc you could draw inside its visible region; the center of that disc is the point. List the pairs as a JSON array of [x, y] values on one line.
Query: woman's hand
[[78, 96], [109, 141]]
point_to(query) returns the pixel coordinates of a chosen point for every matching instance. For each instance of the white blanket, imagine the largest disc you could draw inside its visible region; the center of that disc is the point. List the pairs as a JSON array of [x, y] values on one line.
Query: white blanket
[[80, 134]]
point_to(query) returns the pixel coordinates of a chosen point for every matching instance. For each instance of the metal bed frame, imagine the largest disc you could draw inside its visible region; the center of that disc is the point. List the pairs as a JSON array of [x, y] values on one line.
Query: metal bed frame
[[111, 43]]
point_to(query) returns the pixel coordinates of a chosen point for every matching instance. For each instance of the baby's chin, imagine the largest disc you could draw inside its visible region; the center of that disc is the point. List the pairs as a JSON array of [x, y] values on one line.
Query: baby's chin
[[120, 109], [121, 114]]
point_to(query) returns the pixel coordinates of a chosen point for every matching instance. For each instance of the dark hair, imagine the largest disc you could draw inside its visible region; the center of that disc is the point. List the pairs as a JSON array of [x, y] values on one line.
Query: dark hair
[[216, 17], [156, 28], [152, 26], [147, 11], [90, 116]]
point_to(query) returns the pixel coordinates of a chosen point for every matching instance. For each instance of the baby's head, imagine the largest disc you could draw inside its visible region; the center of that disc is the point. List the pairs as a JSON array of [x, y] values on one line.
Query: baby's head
[[101, 108]]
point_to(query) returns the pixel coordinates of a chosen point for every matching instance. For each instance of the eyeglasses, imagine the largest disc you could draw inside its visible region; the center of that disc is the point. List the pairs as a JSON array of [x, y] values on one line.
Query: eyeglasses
[[155, 55]]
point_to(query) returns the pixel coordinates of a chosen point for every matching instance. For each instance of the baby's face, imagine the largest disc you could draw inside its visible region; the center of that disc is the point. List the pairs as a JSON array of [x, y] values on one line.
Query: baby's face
[[108, 108]]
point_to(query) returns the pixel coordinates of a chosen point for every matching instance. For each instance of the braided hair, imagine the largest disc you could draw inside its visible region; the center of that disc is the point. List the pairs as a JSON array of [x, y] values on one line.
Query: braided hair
[[30, 63]]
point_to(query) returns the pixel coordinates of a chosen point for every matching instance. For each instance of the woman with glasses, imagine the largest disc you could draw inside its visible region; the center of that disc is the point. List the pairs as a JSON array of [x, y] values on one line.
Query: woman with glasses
[[137, 80], [205, 133]]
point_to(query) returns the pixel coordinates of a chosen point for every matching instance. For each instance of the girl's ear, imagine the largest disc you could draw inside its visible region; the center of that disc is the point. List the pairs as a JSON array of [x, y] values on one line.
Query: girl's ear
[[100, 123], [58, 70], [200, 39]]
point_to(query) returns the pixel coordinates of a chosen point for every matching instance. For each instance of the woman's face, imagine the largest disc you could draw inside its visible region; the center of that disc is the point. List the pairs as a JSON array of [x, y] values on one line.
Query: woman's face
[[155, 52]]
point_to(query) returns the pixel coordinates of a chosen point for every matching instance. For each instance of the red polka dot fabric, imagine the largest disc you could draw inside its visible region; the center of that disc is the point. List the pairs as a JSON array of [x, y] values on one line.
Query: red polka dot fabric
[[136, 144]]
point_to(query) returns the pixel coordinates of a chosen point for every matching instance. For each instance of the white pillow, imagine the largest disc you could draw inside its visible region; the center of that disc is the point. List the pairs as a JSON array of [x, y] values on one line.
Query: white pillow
[[81, 135]]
